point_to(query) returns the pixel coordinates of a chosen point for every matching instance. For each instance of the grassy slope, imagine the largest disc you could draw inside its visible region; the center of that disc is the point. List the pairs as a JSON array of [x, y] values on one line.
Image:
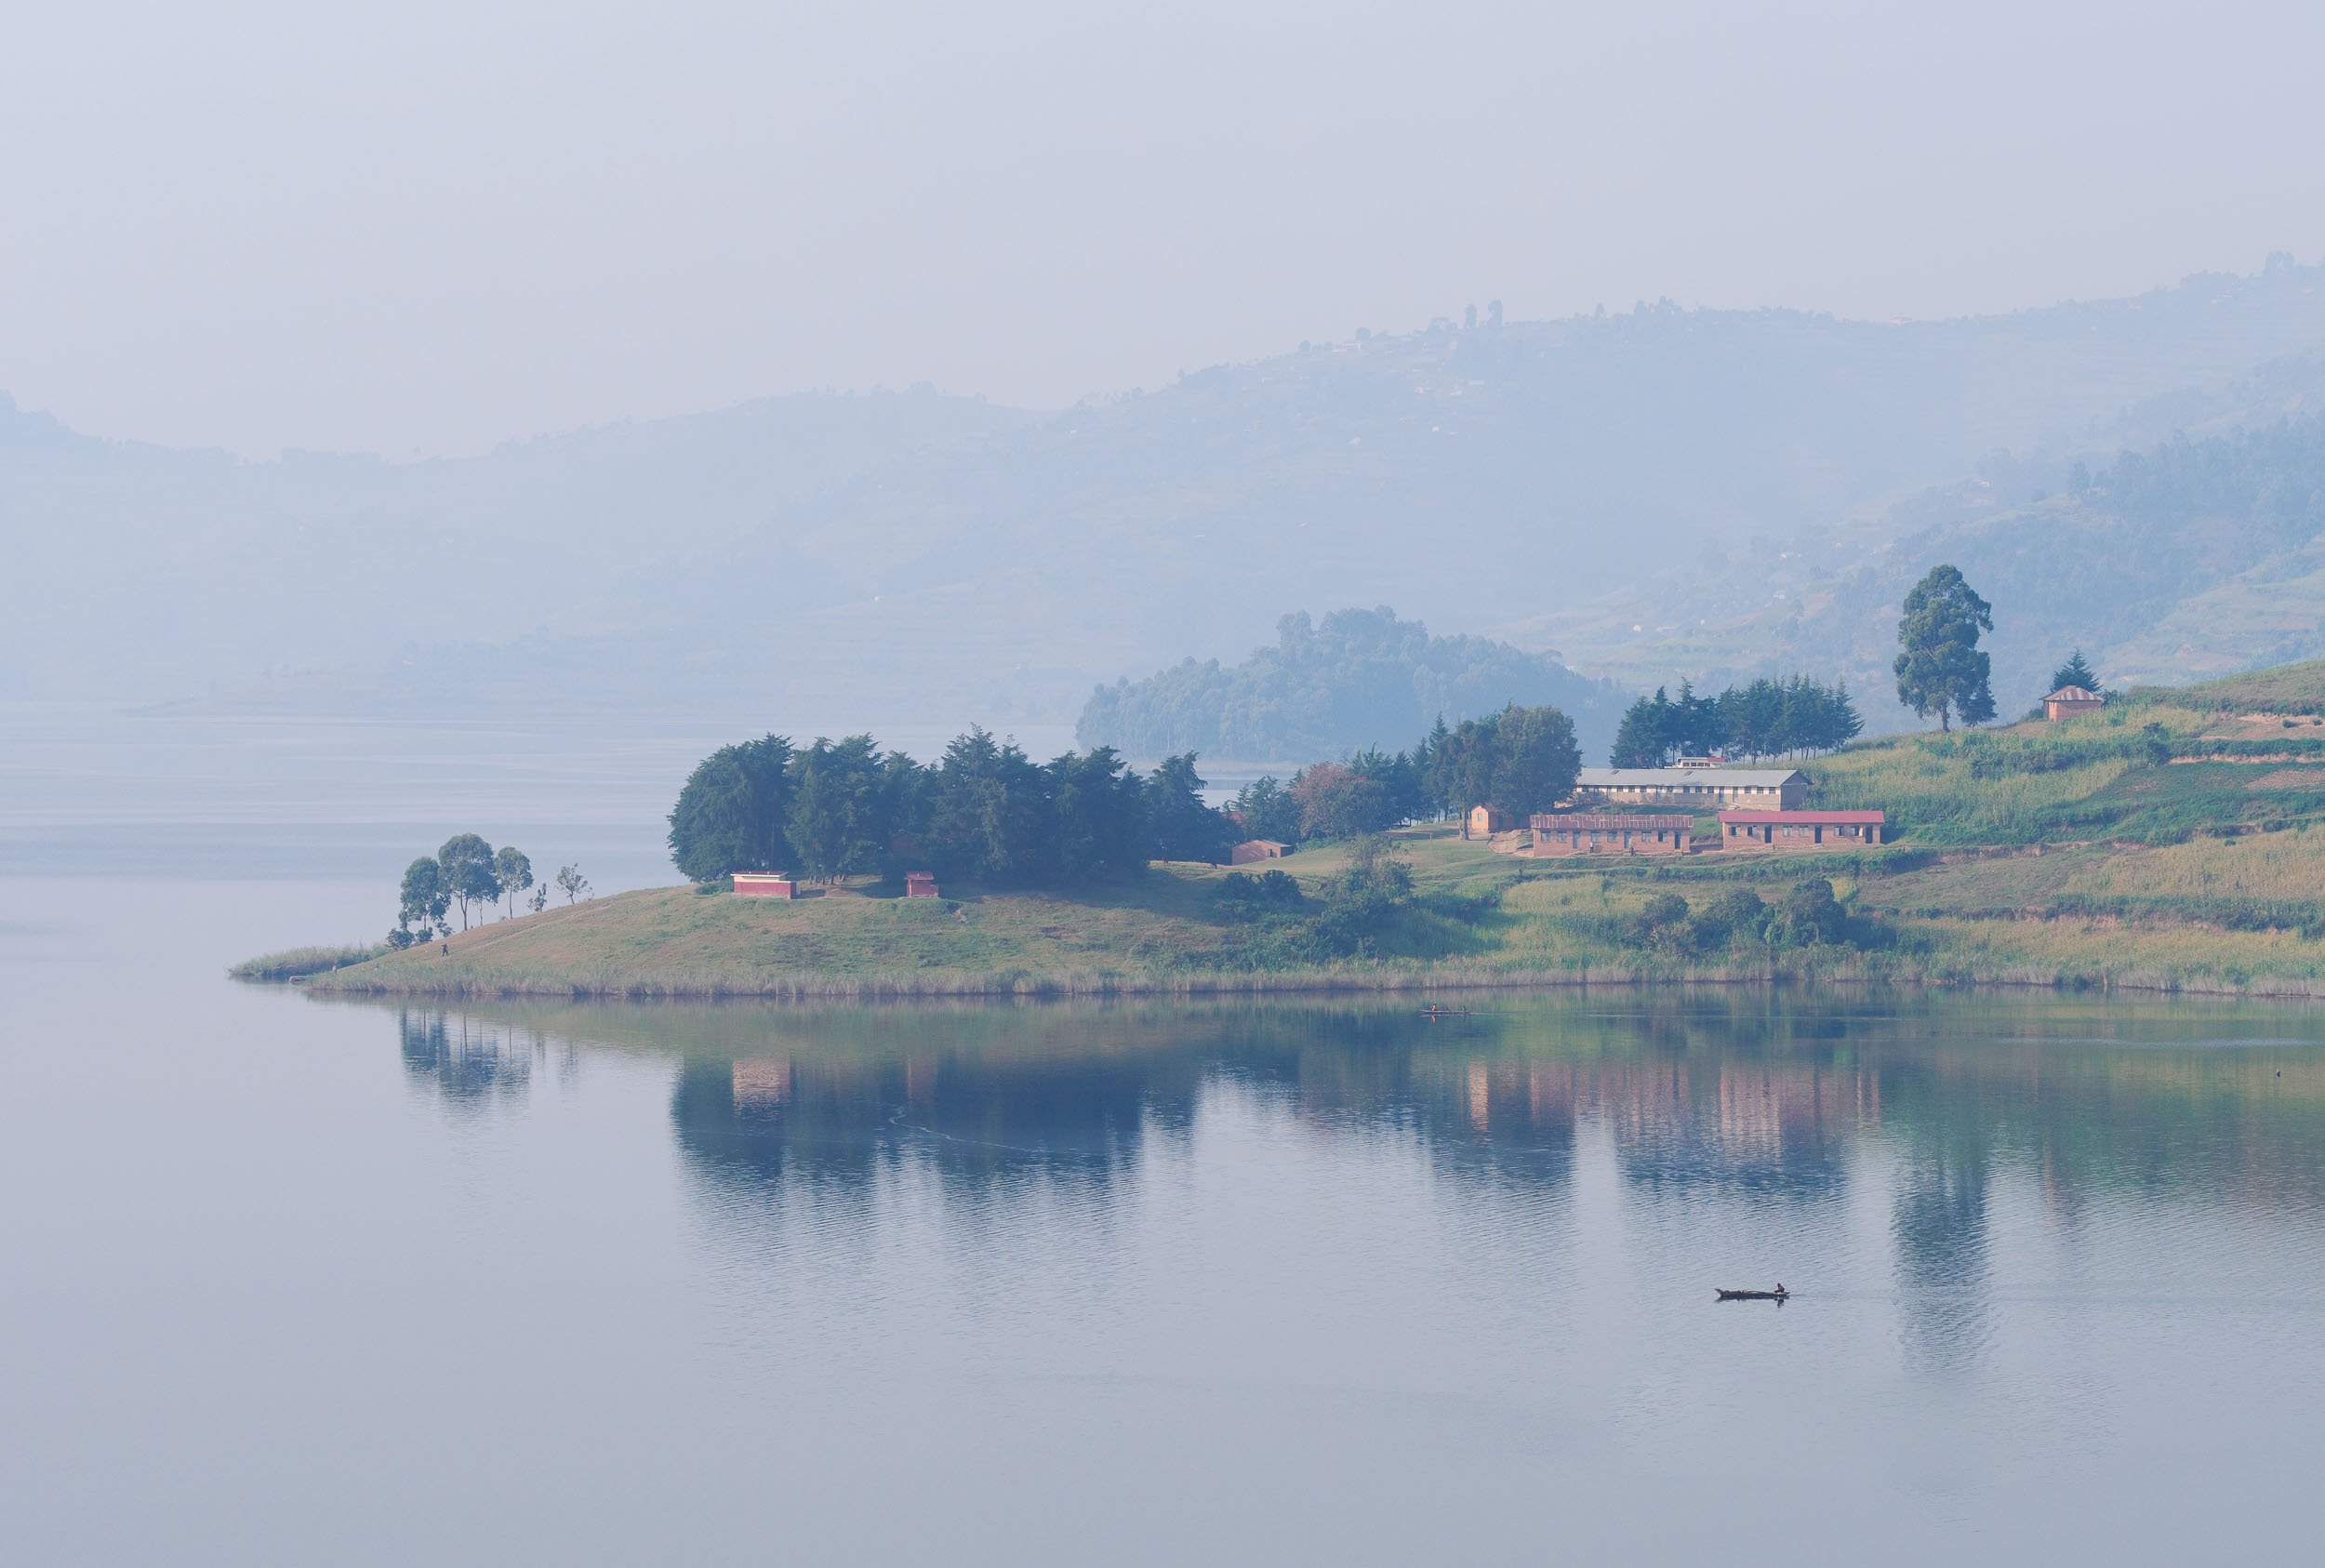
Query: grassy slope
[[1157, 934], [2177, 840]]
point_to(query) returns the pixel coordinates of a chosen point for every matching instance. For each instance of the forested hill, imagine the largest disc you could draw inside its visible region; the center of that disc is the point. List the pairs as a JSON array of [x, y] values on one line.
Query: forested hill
[[2185, 559], [1361, 678]]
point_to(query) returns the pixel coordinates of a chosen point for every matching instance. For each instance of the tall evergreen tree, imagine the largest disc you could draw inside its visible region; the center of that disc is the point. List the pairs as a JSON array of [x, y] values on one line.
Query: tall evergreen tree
[[987, 806], [842, 809], [734, 811], [2074, 672], [1425, 759], [1098, 829], [1183, 827], [1267, 811], [1644, 739]]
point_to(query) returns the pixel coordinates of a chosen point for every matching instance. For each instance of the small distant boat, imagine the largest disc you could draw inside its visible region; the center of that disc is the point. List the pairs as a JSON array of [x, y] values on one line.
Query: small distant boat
[[1433, 1011], [1779, 1293]]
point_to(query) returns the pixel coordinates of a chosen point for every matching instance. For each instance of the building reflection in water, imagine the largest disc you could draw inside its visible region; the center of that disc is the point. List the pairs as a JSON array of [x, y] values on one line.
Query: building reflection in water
[[1777, 1100]]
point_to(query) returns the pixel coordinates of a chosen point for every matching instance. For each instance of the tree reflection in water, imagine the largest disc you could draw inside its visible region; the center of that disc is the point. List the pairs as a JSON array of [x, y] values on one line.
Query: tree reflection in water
[[468, 1060], [1753, 1103]]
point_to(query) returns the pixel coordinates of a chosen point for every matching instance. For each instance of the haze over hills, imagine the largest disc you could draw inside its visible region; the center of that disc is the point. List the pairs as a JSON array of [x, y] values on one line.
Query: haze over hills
[[218, 570], [2200, 554], [919, 557]]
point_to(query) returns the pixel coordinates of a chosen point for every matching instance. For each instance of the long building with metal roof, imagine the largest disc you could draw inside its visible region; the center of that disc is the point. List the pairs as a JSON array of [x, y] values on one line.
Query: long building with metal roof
[[1703, 789]]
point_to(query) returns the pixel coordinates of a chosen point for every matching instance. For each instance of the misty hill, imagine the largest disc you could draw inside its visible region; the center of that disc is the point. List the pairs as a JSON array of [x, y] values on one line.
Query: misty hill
[[215, 569], [918, 556], [1361, 678], [2189, 558], [1473, 477]]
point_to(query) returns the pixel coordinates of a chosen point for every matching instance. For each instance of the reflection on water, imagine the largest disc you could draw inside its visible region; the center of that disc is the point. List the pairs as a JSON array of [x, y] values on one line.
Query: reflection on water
[[1792, 1112], [2058, 1267]]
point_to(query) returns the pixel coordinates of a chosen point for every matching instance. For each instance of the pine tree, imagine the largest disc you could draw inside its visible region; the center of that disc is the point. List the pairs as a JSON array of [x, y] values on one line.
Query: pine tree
[[2074, 672]]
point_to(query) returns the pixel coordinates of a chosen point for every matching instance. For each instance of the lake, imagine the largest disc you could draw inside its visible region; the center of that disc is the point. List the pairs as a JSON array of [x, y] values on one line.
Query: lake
[[285, 1280]]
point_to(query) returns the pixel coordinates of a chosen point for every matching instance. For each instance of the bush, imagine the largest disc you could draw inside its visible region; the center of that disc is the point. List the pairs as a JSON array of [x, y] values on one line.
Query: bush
[[1809, 916], [1661, 922], [1243, 897], [1740, 913]]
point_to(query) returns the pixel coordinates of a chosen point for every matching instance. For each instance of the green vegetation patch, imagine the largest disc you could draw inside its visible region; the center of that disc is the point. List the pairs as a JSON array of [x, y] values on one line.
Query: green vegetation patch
[[295, 964]]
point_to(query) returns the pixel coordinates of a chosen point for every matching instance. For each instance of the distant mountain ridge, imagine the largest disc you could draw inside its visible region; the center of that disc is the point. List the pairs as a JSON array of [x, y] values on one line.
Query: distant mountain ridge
[[215, 569], [937, 558]]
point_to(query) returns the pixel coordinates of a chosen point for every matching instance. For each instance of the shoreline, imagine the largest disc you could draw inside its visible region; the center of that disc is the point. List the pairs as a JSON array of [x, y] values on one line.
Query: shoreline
[[1006, 986]]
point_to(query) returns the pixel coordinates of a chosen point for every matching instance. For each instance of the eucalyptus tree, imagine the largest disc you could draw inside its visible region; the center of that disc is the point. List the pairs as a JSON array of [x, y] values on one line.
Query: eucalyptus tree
[[513, 869], [466, 862], [1940, 668]]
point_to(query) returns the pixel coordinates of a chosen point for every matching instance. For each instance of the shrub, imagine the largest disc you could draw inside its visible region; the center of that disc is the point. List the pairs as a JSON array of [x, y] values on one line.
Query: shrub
[[1808, 916], [1739, 913], [1243, 897]]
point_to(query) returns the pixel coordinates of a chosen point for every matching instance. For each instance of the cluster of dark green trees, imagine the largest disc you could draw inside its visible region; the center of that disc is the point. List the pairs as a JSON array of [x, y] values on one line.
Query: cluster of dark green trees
[[985, 811], [469, 875], [1764, 719], [1807, 915], [1519, 760], [1941, 672]]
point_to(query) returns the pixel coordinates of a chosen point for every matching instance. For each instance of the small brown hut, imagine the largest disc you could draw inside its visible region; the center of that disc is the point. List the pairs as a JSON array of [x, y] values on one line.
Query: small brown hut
[[1484, 823], [2069, 702]]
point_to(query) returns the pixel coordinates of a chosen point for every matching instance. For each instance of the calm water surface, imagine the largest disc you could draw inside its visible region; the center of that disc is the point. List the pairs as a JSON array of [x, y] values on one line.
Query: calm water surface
[[284, 1281]]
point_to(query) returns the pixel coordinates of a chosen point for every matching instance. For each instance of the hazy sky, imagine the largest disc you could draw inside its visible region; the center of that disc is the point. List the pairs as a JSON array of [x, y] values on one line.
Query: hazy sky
[[423, 226]]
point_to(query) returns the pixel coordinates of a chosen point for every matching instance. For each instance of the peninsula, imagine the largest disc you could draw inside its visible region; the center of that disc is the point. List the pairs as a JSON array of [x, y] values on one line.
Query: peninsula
[[2173, 839]]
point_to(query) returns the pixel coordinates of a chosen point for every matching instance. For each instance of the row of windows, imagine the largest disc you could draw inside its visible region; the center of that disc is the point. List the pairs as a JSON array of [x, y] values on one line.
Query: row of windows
[[1564, 836]]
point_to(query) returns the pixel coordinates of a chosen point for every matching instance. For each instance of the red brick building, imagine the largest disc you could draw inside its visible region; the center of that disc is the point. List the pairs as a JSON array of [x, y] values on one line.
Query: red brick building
[[1802, 829], [919, 884], [765, 885], [1559, 834], [1257, 849]]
